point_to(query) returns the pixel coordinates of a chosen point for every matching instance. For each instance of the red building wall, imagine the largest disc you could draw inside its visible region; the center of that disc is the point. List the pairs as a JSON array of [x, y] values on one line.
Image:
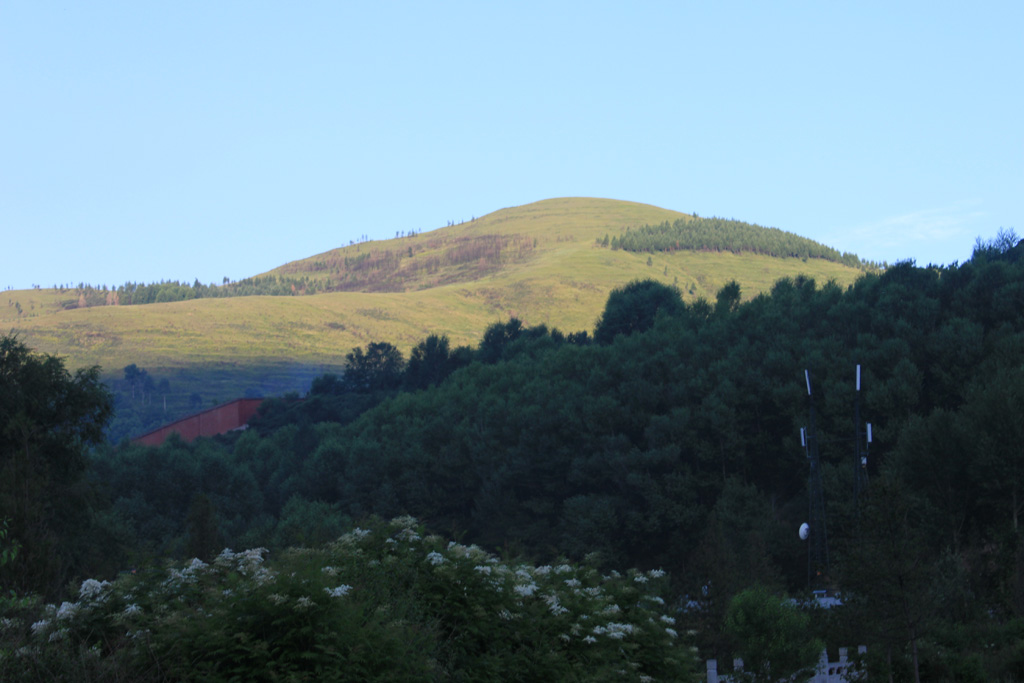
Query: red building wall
[[216, 420]]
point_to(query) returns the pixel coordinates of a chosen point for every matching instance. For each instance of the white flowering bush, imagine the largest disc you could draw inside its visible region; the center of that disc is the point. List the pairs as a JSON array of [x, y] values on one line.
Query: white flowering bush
[[387, 602]]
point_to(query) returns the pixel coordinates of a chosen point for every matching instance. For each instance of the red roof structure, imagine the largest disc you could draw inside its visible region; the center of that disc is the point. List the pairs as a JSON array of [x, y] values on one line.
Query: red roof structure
[[217, 420]]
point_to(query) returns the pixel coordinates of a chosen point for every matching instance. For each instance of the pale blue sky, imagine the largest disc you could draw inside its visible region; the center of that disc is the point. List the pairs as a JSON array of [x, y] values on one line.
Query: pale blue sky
[[146, 141]]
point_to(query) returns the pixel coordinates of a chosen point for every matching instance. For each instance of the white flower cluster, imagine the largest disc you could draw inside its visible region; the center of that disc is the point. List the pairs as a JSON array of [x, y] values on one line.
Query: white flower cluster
[[189, 574], [553, 604], [435, 558], [614, 630], [67, 611], [338, 592], [91, 589], [405, 521], [353, 536], [470, 552], [225, 559], [248, 563], [525, 589]]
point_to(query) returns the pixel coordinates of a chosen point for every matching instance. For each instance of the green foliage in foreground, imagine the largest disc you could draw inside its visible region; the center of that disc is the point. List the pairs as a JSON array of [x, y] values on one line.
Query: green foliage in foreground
[[774, 638], [8, 549], [379, 604]]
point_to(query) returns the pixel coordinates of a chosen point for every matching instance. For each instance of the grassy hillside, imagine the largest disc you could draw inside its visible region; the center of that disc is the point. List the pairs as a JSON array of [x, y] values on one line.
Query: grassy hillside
[[540, 262]]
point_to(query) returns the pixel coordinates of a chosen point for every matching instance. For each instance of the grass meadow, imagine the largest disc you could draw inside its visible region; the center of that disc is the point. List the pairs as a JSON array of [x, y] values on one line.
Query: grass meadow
[[559, 276]]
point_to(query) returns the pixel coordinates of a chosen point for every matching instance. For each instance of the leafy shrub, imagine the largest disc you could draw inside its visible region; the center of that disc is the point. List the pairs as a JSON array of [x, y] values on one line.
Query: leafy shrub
[[381, 603]]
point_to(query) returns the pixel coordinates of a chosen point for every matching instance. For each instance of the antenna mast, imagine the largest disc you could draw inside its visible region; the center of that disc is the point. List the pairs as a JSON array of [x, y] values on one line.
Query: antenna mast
[[862, 441], [817, 554]]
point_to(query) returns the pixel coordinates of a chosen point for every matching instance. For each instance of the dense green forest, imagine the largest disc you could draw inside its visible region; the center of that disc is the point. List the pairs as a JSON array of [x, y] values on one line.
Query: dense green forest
[[721, 234], [668, 438]]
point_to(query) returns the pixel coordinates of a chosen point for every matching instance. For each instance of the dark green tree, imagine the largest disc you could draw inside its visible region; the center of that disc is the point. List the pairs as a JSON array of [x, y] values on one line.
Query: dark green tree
[[48, 418], [378, 368], [995, 427], [728, 299], [888, 572], [8, 549], [133, 374], [329, 384], [430, 362], [772, 636], [634, 307], [497, 338], [995, 410], [201, 526]]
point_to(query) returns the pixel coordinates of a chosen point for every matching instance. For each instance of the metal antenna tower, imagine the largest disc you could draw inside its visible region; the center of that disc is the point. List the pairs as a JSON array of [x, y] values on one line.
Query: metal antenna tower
[[817, 553], [862, 441]]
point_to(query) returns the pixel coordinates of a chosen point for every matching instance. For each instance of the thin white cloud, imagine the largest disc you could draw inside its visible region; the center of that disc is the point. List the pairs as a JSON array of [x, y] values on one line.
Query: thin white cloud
[[937, 235]]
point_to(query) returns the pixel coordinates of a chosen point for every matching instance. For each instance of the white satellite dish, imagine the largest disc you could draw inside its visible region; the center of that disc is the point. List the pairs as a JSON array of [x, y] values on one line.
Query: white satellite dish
[[805, 531]]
